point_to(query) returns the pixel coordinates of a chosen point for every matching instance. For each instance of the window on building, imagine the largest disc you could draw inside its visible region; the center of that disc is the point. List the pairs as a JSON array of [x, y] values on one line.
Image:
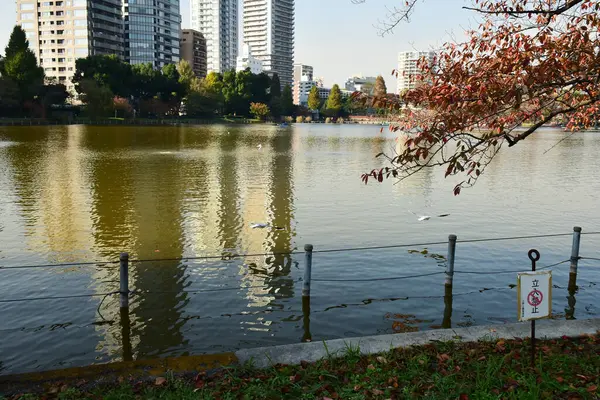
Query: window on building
[[79, 13], [27, 25], [80, 22], [79, 3], [27, 6], [80, 32], [81, 52], [26, 16], [81, 41]]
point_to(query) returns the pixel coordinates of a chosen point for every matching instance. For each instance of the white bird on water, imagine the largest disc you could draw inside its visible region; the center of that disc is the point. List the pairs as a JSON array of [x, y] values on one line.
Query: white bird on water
[[259, 147], [428, 217]]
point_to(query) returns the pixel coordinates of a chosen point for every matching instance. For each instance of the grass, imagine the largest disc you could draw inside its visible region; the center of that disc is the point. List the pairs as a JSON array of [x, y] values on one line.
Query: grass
[[564, 369]]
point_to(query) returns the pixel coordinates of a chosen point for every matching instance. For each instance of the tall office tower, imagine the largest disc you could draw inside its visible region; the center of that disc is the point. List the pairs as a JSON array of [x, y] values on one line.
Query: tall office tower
[[217, 20], [152, 30], [61, 31], [269, 32]]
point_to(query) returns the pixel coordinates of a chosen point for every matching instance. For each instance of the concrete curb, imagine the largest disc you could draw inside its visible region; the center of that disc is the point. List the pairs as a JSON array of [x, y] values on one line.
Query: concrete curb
[[293, 354]]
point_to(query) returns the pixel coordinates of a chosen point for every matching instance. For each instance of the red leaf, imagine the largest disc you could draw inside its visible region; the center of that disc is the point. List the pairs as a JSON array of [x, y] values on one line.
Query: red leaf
[[380, 177], [592, 388], [463, 396], [457, 190]]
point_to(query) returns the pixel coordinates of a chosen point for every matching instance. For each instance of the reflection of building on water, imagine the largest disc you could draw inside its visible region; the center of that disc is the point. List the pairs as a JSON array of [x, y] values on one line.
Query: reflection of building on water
[[110, 198]]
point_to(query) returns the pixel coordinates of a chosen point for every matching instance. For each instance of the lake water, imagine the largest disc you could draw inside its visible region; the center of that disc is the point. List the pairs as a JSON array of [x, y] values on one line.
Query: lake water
[[82, 193]]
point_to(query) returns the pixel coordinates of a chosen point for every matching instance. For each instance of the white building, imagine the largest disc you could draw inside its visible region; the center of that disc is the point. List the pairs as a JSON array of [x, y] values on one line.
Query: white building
[[269, 31], [363, 84], [303, 74], [61, 31], [304, 87], [408, 69], [247, 61], [217, 20]]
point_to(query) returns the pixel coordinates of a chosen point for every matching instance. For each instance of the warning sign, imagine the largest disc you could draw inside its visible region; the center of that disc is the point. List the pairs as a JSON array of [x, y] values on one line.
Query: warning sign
[[534, 295]]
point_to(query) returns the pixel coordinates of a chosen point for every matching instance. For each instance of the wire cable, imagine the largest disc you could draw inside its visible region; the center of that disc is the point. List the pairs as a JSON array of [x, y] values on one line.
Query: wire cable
[[377, 279], [508, 272], [76, 296], [97, 263]]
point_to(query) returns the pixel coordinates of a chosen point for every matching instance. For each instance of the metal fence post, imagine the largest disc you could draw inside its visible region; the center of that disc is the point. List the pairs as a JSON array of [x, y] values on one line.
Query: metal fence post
[[572, 286], [448, 282], [124, 280], [575, 250], [450, 263], [308, 248]]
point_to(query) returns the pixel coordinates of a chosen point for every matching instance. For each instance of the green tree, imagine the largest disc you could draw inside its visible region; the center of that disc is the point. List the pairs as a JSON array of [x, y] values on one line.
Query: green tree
[[107, 71], [334, 101], [20, 65], [380, 90], [259, 110], [98, 99], [243, 86], [229, 92], [314, 101], [260, 88], [186, 74], [275, 86], [9, 97], [287, 101]]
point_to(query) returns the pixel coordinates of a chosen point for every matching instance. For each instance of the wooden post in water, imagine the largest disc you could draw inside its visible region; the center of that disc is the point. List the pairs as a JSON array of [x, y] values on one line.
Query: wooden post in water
[[572, 286], [124, 280], [448, 282], [308, 249]]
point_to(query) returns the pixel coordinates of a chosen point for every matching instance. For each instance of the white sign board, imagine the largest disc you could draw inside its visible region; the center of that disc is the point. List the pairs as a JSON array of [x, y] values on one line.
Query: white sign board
[[534, 295]]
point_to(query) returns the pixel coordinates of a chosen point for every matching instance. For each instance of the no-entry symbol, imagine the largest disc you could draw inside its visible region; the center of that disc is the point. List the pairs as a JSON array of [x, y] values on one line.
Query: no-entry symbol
[[534, 296]]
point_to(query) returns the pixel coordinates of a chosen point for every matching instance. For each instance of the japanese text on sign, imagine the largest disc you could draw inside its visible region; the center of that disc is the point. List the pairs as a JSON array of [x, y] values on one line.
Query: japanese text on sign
[[534, 295]]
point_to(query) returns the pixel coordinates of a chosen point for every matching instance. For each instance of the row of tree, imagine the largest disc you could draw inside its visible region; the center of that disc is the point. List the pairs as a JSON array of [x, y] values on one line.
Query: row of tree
[[108, 86]]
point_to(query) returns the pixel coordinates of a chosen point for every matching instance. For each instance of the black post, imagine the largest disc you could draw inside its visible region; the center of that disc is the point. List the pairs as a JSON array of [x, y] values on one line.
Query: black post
[[534, 256]]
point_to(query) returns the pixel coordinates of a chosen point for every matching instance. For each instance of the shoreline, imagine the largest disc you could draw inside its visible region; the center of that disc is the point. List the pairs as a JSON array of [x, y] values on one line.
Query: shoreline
[[294, 354]]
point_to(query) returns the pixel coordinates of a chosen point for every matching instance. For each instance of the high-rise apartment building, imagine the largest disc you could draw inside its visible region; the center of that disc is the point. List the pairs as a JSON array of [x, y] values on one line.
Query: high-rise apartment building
[[217, 20], [152, 29], [193, 50], [408, 68], [303, 81], [60, 31], [269, 31]]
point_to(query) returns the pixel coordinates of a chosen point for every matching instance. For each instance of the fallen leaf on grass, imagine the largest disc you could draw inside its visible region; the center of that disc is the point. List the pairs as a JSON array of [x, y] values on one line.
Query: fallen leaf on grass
[[371, 367], [482, 358], [592, 388], [463, 396], [160, 381], [294, 378], [382, 360], [560, 379], [443, 357], [377, 392]]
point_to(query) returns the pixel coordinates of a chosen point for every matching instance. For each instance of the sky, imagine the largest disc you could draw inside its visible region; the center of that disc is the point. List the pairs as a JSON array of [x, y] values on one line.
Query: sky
[[341, 39]]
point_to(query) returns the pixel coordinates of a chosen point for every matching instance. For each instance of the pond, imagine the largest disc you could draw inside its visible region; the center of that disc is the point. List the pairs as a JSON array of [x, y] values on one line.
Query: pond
[[187, 196]]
